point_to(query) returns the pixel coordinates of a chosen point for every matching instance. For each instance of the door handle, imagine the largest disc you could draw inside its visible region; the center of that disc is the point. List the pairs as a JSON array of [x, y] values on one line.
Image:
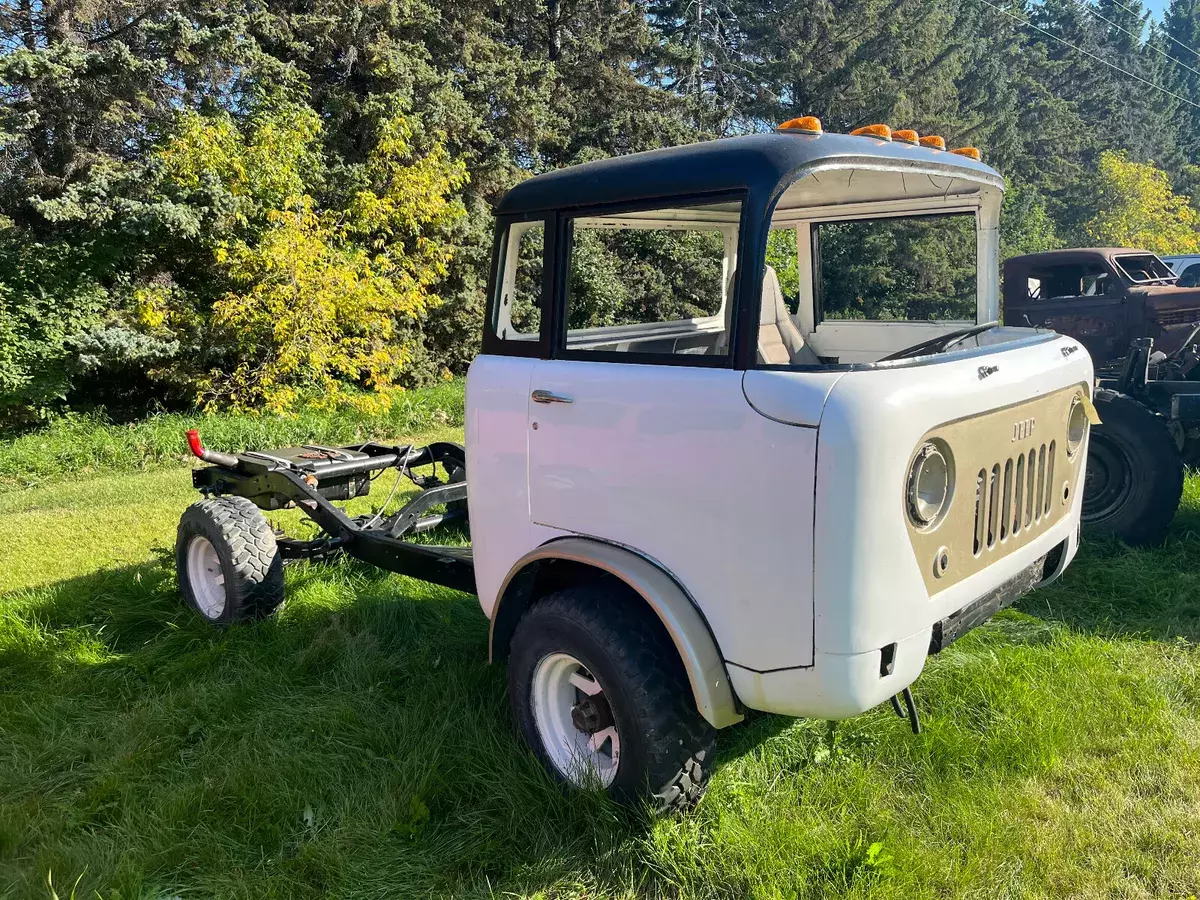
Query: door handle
[[549, 397]]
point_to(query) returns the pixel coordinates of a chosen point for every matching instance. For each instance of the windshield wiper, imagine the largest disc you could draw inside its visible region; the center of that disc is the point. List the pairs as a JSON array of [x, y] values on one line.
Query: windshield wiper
[[941, 343]]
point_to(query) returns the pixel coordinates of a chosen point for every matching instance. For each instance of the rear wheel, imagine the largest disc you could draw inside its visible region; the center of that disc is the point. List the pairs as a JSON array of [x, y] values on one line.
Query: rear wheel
[[598, 691], [1134, 475], [227, 561]]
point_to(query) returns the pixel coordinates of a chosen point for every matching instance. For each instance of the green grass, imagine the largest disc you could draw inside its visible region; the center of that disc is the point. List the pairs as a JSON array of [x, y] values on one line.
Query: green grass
[[81, 446], [358, 745]]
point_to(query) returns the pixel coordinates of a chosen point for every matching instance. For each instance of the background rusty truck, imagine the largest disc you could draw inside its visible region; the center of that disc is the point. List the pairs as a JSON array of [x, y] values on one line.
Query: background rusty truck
[[1140, 326]]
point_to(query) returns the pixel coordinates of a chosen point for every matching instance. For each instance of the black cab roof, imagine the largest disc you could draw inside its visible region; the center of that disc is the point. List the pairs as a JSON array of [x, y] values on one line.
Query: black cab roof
[[756, 163], [1067, 257]]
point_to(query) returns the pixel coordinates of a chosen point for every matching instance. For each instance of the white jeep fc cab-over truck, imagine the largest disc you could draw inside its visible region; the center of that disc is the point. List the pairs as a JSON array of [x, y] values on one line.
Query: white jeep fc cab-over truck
[[743, 435]]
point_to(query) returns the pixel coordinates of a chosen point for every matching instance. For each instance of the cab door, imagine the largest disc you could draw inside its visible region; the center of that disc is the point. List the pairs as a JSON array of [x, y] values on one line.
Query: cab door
[[640, 434], [1085, 300], [629, 451]]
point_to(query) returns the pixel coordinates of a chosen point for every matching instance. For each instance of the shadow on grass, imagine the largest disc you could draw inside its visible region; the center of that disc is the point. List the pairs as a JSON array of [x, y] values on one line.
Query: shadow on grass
[[1119, 591], [359, 737]]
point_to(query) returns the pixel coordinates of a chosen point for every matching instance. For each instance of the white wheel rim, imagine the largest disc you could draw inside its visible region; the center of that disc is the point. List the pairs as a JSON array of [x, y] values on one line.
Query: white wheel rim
[[206, 577], [560, 683]]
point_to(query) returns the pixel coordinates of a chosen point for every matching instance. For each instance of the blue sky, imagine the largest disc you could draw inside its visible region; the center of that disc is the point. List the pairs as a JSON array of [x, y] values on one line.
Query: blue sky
[[1157, 7]]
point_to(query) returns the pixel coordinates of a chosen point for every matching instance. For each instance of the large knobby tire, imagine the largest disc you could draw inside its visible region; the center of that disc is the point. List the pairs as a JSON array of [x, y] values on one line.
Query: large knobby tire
[[591, 663], [1134, 472], [227, 560]]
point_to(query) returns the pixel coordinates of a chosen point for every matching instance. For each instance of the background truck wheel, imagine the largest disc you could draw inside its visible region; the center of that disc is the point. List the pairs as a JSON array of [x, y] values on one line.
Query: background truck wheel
[[1134, 473], [598, 691], [228, 564]]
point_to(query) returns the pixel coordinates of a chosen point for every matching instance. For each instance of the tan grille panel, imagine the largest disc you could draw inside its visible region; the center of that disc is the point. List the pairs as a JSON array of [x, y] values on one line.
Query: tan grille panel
[[1002, 498]]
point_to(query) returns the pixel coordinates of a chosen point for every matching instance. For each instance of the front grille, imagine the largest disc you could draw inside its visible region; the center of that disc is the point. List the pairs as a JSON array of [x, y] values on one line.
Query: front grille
[[1014, 497], [1178, 317], [1023, 479]]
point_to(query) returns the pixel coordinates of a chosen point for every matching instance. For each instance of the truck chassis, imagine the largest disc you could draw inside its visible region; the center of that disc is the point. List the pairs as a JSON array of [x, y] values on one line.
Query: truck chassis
[[310, 478]]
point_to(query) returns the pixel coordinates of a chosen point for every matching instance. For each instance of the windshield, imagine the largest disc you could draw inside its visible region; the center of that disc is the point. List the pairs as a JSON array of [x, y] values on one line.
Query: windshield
[[1145, 268]]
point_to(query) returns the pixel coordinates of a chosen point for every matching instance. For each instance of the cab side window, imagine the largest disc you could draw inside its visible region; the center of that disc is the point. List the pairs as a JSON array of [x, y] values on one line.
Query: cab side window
[[652, 282], [1068, 281], [1190, 276], [518, 307]]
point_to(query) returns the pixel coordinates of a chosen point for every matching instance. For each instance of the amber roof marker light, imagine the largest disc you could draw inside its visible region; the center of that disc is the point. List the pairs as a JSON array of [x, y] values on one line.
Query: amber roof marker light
[[803, 125], [934, 142], [906, 136], [882, 132], [969, 153]]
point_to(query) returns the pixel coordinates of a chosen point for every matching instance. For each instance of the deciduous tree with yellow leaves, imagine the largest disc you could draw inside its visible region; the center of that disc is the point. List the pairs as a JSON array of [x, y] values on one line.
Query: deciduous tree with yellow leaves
[[322, 301], [1136, 207]]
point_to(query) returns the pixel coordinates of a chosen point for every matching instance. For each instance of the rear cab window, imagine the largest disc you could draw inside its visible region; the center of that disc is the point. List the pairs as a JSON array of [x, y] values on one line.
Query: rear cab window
[[520, 285]]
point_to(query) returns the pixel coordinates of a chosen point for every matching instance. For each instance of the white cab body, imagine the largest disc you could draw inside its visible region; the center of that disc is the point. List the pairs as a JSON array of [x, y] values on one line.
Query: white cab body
[[761, 450]]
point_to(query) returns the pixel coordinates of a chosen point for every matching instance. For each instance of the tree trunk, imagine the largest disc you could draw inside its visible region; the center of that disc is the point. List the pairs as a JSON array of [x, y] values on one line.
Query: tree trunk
[[553, 37]]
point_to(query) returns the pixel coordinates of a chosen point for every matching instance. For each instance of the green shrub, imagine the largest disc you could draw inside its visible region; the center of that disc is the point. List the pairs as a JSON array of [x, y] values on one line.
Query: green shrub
[[46, 299]]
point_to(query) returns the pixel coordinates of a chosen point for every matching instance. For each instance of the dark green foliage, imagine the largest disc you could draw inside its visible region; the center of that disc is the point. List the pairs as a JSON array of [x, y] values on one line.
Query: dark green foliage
[[526, 312], [1179, 39], [1025, 223], [46, 301], [632, 276], [91, 89]]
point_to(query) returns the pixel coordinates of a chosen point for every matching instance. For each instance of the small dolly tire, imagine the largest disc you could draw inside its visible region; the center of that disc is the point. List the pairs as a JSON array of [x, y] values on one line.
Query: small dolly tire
[[598, 691], [1134, 473], [227, 560]]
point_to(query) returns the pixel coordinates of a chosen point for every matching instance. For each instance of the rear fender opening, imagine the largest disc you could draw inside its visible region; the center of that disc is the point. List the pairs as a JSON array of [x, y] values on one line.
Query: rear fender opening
[[569, 561]]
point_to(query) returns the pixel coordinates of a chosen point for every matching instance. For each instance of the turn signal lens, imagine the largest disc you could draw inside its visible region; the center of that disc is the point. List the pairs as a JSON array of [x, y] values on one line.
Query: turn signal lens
[[804, 125], [933, 142], [969, 152], [906, 136], [1077, 425], [876, 131], [929, 483]]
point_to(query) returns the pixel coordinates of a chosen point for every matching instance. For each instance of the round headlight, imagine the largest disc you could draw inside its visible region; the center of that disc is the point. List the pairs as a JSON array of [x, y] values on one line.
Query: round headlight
[[1077, 424], [928, 485]]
